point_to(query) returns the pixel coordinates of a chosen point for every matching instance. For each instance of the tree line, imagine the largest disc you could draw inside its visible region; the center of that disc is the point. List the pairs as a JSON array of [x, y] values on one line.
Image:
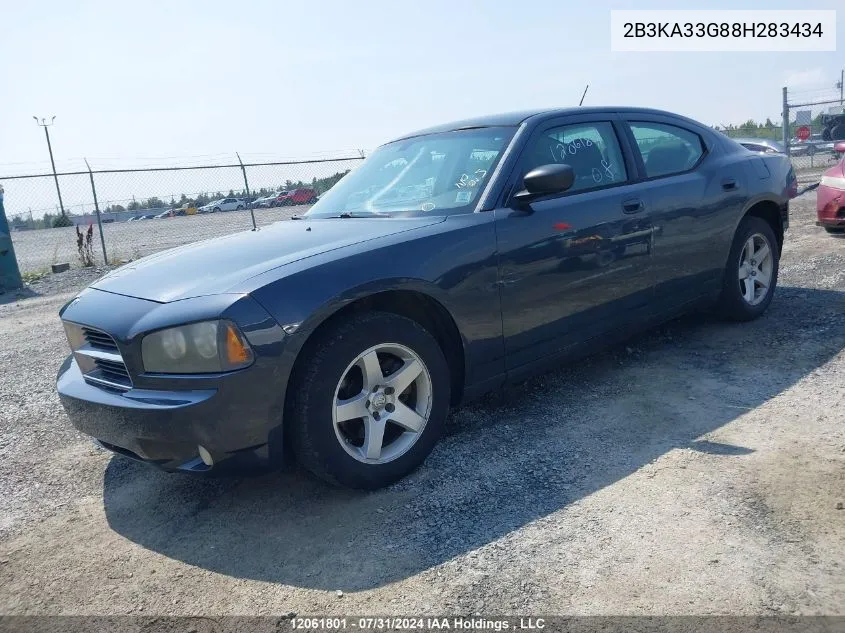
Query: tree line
[[768, 129]]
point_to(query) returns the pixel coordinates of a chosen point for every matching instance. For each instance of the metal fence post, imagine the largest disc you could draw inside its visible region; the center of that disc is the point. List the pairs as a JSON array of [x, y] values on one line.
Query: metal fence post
[[785, 123], [97, 212], [246, 186], [10, 274]]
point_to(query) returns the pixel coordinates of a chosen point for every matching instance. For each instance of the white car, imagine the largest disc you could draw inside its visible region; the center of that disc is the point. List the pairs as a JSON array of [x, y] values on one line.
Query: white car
[[224, 204], [266, 201]]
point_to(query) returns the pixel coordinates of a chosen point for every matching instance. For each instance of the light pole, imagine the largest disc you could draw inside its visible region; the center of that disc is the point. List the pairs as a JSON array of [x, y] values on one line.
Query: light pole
[[841, 86], [43, 123]]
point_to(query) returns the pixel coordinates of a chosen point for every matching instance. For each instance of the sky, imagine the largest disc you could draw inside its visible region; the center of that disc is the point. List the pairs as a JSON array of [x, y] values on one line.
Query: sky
[[182, 81]]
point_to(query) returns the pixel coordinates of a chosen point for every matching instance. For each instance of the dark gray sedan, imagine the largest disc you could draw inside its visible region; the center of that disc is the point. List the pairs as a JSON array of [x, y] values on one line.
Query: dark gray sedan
[[451, 261]]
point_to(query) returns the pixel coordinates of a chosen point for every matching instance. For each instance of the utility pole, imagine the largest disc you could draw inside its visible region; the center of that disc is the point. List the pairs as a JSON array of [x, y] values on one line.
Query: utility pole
[[43, 123], [785, 121], [248, 194], [841, 85]]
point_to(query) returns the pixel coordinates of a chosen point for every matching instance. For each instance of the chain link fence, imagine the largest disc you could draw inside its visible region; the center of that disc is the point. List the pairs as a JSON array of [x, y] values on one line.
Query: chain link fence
[[119, 215], [811, 122]]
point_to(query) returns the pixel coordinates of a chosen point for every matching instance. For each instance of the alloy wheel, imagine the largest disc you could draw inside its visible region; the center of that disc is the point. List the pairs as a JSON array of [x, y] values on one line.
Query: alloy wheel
[[382, 403], [756, 263]]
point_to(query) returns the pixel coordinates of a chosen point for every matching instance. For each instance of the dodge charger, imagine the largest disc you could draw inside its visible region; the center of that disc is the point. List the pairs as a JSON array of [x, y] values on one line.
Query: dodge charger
[[451, 261]]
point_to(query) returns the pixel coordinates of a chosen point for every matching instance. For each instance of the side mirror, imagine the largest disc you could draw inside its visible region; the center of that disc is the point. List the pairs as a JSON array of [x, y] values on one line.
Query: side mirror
[[544, 180], [839, 147]]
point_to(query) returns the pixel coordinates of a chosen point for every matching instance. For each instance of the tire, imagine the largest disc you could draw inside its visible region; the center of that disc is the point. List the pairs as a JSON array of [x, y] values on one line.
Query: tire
[[329, 448], [733, 302], [216, 210], [240, 207], [833, 230]]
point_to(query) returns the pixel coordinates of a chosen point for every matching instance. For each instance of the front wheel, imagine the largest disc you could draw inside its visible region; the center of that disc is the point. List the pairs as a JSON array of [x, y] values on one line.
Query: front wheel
[[370, 400], [751, 272], [216, 210]]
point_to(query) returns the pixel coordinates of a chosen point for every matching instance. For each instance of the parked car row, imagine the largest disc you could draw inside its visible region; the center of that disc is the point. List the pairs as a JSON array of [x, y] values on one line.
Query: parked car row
[[816, 144], [301, 195], [810, 147]]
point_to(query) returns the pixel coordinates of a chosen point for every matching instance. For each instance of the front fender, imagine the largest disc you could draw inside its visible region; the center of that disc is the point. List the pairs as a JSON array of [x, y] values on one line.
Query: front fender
[[454, 264]]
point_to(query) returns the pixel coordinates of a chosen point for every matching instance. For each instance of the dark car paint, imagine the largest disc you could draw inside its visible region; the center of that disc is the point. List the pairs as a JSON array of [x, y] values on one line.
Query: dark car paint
[[196, 269], [166, 416], [523, 284]]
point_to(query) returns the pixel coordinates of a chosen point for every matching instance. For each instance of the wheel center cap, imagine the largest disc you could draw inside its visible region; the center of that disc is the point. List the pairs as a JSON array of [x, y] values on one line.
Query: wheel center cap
[[378, 400]]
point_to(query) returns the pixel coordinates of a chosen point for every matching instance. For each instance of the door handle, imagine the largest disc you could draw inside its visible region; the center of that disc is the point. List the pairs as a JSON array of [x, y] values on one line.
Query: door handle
[[633, 205], [729, 184]]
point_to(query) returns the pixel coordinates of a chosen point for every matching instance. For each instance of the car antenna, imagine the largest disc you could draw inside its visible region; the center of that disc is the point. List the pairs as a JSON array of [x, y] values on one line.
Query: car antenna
[[583, 95]]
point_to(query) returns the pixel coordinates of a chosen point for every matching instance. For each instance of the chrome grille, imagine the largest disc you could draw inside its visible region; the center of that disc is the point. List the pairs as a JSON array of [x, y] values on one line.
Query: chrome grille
[[98, 357], [99, 340], [112, 371]]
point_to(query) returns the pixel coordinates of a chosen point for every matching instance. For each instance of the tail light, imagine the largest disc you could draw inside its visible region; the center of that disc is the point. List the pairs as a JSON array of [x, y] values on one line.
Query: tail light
[[791, 184]]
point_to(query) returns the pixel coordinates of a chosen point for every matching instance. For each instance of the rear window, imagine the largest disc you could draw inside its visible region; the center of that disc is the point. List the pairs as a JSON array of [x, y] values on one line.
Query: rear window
[[667, 149]]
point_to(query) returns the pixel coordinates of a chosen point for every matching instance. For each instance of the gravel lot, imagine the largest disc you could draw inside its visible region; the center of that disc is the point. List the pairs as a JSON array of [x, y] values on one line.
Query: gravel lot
[[38, 250], [695, 470]]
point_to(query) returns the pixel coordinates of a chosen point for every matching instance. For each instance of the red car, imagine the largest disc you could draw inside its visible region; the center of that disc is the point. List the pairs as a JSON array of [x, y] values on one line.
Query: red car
[[296, 196], [830, 197]]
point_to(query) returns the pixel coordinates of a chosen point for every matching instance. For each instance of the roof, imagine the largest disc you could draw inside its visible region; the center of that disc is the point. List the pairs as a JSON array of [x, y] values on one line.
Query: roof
[[513, 119]]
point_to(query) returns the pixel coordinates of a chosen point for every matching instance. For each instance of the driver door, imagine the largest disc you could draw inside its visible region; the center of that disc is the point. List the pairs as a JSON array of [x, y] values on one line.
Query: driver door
[[574, 265]]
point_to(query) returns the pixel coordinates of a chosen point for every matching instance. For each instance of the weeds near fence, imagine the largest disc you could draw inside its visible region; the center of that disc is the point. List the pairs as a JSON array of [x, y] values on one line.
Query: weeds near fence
[[85, 245], [31, 276]]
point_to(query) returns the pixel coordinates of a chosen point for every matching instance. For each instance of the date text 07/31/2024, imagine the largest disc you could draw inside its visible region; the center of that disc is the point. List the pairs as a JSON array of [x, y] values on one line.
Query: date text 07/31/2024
[[417, 623]]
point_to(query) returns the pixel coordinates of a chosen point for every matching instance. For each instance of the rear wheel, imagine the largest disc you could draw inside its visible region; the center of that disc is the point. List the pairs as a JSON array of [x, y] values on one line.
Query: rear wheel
[[370, 401], [752, 271]]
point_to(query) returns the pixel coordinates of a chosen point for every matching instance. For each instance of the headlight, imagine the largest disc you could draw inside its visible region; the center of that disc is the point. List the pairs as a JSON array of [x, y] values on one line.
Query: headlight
[[199, 348], [833, 181]]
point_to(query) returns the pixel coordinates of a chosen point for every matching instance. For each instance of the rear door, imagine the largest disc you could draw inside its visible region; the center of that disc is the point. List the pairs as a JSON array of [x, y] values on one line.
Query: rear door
[[573, 265], [696, 193]]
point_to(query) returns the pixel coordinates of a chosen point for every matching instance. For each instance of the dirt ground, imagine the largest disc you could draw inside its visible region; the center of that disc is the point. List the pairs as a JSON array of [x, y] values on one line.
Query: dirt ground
[[698, 469]]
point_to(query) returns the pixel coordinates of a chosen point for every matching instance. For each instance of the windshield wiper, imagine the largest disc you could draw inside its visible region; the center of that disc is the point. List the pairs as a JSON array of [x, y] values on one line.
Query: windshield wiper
[[359, 214]]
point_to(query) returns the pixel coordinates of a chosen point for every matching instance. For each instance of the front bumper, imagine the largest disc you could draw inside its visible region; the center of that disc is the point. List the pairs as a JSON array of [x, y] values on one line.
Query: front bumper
[[830, 210], [173, 421], [167, 428]]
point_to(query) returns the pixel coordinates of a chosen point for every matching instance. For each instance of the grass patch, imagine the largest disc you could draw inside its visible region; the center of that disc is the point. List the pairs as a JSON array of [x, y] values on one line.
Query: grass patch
[[35, 275]]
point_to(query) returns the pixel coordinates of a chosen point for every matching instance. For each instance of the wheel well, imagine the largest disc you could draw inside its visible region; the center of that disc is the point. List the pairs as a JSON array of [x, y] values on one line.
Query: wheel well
[[419, 307], [769, 212]]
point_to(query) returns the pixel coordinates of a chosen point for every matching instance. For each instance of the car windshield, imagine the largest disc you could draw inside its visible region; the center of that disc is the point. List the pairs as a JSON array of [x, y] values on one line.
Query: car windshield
[[433, 174]]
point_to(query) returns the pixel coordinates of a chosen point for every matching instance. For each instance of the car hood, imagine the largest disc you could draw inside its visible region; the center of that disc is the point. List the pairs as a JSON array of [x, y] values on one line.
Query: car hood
[[214, 266], [837, 171]]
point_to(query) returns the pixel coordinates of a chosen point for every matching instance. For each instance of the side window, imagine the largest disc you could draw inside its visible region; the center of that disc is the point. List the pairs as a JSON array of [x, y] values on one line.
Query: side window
[[591, 149], [667, 149]]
